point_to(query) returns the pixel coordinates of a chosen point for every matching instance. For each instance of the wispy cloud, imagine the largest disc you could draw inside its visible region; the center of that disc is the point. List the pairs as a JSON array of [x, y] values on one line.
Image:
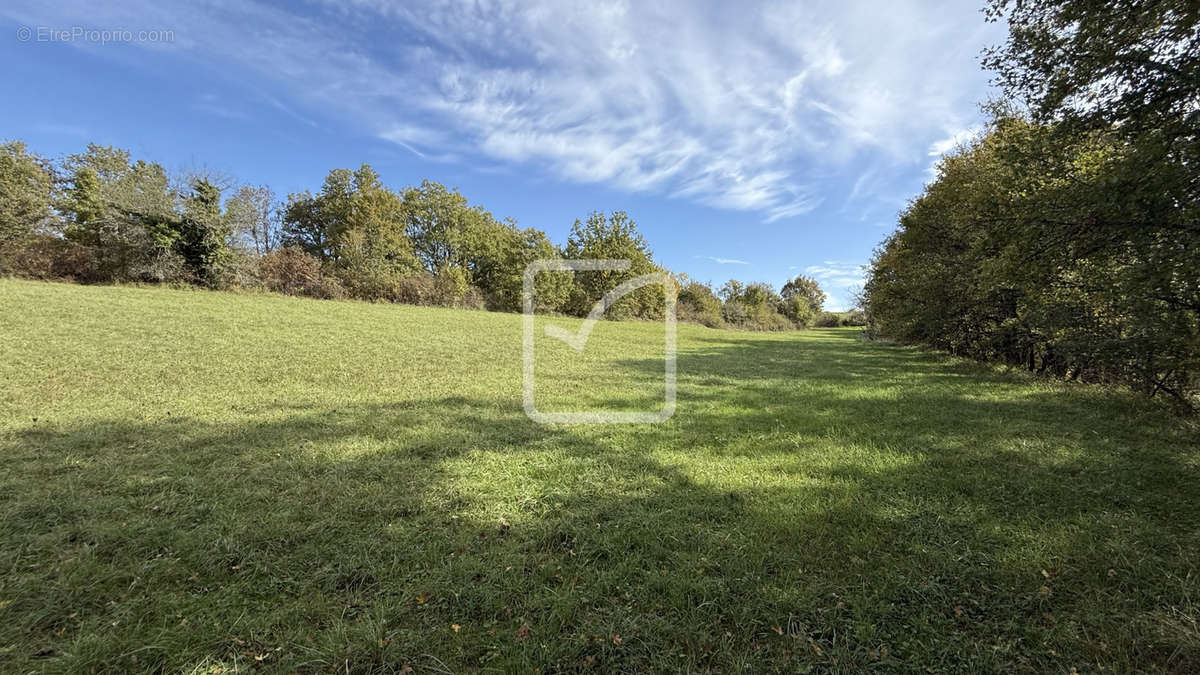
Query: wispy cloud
[[940, 147], [841, 280], [213, 105], [62, 129], [723, 261], [748, 108]]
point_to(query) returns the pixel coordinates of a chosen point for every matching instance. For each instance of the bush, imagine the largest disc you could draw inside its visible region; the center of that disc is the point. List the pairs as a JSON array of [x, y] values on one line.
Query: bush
[[418, 289], [293, 272], [827, 320], [474, 298], [240, 270], [856, 318], [799, 311], [47, 257], [776, 321], [448, 289], [450, 286], [697, 303], [735, 313]]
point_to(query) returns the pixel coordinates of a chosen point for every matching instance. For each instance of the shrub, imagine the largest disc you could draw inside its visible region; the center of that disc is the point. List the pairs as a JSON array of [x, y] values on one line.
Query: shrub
[[417, 289], [697, 303], [47, 257], [827, 320], [798, 310], [240, 270], [293, 272], [474, 298], [450, 286], [775, 321], [735, 313], [855, 318]]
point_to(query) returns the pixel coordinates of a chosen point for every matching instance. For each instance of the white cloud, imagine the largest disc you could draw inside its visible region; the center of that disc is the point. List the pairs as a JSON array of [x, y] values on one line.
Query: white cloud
[[751, 108], [841, 280], [953, 141], [723, 261]]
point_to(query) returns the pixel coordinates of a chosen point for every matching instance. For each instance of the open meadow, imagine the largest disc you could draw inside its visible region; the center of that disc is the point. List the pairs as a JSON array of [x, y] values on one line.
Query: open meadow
[[210, 482]]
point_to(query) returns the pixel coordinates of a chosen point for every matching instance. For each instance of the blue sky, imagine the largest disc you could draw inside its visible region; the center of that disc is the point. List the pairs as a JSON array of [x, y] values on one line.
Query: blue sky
[[749, 140]]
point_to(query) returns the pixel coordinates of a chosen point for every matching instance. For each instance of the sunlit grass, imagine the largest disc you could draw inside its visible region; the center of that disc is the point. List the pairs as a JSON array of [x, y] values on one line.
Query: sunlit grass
[[203, 481]]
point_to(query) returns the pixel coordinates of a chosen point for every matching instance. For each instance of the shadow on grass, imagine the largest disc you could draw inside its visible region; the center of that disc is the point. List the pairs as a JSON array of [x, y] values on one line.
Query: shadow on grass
[[789, 522]]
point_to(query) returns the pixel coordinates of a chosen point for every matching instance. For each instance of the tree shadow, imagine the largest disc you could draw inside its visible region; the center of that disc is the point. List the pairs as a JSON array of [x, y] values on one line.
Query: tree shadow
[[789, 522]]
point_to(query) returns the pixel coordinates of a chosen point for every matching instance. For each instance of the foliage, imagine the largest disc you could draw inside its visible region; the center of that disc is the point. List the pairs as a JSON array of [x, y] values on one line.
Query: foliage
[[504, 281], [125, 213], [111, 218], [854, 318], [697, 303], [254, 219], [203, 233], [444, 228], [292, 271], [807, 290], [1104, 64], [827, 320], [26, 197], [802, 300], [1058, 256], [1067, 241], [614, 237], [757, 306]]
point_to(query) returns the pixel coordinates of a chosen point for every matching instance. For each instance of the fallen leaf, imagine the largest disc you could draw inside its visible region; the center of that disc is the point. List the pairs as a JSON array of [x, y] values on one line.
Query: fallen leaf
[[455, 627], [523, 632], [777, 629], [616, 639]]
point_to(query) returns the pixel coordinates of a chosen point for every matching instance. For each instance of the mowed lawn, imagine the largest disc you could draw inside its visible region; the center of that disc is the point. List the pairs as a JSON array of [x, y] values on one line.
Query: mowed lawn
[[203, 482]]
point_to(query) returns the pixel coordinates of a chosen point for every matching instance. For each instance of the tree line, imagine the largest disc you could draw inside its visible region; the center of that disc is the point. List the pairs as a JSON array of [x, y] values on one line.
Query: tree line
[[1065, 237], [102, 216]]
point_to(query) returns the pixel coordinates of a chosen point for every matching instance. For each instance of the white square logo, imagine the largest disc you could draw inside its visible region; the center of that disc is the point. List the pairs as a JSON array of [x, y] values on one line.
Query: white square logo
[[578, 340]]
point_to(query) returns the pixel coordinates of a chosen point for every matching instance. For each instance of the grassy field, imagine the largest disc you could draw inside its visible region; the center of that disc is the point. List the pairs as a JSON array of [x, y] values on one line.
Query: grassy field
[[207, 482]]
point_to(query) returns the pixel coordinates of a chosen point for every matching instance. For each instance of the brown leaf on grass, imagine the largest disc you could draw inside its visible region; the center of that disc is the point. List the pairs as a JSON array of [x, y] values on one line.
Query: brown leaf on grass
[[777, 629], [454, 627], [616, 639], [523, 632]]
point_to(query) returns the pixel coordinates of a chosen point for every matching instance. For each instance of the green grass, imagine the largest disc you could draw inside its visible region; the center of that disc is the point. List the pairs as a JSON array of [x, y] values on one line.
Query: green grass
[[195, 481]]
